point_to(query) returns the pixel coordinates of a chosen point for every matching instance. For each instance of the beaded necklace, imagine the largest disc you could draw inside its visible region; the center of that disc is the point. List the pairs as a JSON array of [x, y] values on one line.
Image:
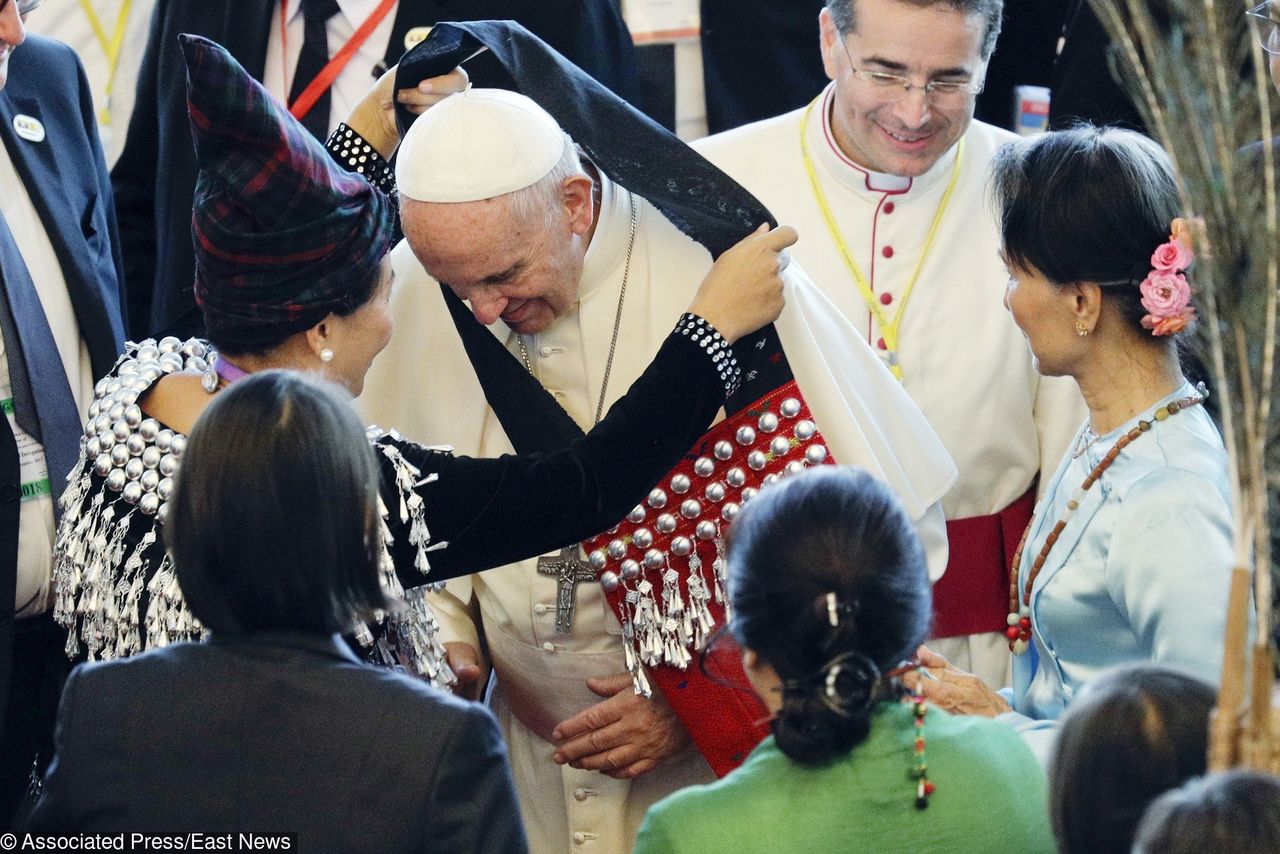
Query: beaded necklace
[[1019, 630], [919, 765]]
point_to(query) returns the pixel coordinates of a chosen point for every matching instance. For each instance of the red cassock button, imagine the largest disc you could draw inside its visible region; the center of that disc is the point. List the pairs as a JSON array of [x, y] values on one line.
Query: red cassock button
[[886, 299], [882, 345], [887, 252], [888, 207]]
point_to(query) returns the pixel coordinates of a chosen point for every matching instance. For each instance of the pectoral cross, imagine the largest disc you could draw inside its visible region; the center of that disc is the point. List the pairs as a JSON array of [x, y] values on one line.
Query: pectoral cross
[[568, 571]]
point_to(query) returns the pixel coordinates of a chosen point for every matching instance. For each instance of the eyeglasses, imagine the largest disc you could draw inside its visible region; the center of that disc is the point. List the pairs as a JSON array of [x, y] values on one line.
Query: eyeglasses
[[1264, 15], [940, 93]]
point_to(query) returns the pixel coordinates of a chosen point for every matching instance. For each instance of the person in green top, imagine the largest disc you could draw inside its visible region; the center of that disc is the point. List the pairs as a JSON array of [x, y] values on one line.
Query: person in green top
[[829, 594]]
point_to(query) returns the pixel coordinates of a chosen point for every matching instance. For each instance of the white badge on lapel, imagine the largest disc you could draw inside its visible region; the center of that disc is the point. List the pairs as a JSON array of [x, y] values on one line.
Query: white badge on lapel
[[28, 128], [415, 35]]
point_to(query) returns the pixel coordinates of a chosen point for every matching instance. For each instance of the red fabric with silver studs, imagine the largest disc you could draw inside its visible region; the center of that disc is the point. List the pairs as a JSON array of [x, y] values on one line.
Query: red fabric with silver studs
[[720, 711]]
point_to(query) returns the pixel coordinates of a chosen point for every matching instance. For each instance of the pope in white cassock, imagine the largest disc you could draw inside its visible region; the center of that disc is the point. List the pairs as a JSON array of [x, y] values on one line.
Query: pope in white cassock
[[581, 279], [884, 177]]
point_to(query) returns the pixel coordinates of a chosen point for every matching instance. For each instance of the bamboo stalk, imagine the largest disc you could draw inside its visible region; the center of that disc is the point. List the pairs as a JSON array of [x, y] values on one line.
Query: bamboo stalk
[[1225, 726]]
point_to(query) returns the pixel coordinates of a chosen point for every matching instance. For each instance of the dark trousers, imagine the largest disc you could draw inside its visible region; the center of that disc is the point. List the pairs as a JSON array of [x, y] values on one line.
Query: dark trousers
[[38, 671]]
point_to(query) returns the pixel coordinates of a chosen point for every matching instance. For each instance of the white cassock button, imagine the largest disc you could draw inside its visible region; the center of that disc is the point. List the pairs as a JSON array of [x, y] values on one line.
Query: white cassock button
[[579, 838], [548, 647], [579, 794], [540, 608]]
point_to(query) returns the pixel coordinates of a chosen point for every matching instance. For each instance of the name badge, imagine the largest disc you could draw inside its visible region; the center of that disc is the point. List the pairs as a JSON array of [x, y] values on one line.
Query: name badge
[[34, 472], [415, 35], [28, 128]]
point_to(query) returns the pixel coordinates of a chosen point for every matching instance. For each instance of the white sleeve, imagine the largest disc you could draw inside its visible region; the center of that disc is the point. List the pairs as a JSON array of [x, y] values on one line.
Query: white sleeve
[[454, 612], [932, 528]]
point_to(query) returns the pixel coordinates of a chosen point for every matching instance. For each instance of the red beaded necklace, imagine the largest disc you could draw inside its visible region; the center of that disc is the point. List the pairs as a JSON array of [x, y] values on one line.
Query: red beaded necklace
[[1019, 631]]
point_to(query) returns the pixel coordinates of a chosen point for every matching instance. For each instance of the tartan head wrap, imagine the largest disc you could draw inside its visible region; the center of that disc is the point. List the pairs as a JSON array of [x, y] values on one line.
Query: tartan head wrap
[[283, 235]]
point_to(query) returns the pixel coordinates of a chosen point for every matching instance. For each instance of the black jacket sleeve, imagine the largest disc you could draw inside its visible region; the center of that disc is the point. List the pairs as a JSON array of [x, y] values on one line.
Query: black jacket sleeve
[[491, 512]]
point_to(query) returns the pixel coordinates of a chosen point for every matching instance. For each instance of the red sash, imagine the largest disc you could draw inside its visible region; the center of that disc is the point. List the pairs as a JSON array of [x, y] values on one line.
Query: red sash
[[676, 537], [972, 597]]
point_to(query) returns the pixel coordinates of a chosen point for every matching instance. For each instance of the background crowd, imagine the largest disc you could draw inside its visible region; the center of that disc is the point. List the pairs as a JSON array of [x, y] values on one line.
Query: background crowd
[[920, 521]]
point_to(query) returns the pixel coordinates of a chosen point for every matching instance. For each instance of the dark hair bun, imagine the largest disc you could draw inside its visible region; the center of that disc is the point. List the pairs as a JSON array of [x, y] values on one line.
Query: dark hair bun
[[829, 712]]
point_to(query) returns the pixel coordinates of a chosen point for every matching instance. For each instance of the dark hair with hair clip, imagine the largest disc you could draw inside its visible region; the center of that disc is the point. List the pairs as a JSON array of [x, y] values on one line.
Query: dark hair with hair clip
[[828, 584]]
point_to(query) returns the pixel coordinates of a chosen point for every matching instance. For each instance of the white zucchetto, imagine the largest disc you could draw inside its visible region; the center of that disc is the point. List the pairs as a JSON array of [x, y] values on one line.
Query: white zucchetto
[[475, 145]]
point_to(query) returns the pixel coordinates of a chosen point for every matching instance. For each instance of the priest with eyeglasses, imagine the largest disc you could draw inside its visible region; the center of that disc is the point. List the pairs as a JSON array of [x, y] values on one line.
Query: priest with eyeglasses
[[884, 176]]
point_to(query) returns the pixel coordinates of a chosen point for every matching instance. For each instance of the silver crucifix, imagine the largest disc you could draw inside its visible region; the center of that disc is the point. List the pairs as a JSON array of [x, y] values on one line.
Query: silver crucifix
[[568, 571]]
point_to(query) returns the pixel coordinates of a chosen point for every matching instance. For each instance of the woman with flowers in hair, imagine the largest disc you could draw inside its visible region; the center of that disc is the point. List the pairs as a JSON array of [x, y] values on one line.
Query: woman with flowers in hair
[[830, 596], [1128, 555]]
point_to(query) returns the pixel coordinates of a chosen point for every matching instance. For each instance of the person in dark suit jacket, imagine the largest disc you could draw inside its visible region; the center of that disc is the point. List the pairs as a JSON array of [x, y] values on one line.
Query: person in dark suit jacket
[[272, 725], [1083, 87], [155, 176], [61, 321]]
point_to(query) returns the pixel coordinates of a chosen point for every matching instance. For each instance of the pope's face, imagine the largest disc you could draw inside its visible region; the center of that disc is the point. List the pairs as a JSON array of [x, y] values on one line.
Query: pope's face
[[12, 33], [523, 271], [883, 128]]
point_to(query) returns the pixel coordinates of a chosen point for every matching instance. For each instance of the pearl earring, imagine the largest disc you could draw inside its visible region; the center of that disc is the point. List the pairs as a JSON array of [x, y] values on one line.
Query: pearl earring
[[1081, 329], [326, 355]]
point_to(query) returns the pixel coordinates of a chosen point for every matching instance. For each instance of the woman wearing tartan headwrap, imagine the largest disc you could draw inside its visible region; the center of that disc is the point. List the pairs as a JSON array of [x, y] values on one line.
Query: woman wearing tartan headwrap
[[290, 274]]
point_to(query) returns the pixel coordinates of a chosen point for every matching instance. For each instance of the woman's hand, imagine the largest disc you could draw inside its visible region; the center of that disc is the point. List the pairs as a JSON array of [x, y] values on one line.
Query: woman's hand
[[374, 118], [953, 690], [743, 290]]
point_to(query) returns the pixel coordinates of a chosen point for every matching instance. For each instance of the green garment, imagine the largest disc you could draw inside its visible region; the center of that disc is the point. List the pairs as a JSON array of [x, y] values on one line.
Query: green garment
[[990, 796]]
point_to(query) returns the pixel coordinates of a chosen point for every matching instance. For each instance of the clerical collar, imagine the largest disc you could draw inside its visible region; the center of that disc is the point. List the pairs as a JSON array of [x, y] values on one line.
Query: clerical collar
[[822, 143], [609, 242]]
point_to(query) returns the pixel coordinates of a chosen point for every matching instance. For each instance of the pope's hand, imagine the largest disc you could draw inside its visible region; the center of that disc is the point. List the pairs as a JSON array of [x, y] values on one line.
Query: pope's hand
[[952, 689], [374, 117], [743, 290], [622, 737], [465, 662]]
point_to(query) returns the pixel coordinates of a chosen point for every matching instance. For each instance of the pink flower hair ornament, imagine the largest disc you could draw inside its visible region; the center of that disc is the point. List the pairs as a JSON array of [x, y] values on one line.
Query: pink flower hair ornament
[[1166, 294]]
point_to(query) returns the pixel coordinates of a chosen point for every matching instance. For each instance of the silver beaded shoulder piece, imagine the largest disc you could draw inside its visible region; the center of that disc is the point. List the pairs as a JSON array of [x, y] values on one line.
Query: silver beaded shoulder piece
[[107, 553]]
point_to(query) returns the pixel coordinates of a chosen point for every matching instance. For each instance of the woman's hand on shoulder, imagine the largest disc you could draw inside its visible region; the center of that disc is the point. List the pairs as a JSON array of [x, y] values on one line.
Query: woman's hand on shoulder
[[743, 290], [952, 689]]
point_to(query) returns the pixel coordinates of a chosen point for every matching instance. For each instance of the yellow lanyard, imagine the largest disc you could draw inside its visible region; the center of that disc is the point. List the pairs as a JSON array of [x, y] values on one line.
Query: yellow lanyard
[[110, 46], [888, 327]]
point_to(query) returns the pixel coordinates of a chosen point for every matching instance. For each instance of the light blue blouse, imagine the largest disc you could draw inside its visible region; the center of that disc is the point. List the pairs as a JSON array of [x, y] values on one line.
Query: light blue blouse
[[1141, 571]]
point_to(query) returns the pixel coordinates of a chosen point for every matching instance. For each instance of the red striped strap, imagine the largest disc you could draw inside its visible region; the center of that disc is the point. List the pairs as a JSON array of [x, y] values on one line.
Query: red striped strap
[[328, 74]]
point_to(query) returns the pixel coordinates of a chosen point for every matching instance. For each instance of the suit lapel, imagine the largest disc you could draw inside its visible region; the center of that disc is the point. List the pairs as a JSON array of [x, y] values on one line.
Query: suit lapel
[[64, 217]]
